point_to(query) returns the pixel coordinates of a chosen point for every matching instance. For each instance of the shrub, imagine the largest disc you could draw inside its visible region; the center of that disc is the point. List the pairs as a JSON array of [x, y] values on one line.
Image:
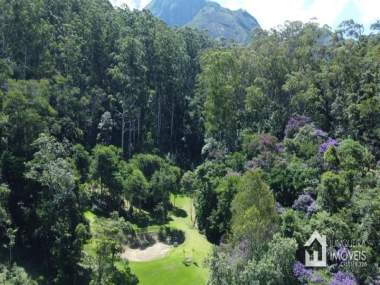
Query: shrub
[[171, 236]]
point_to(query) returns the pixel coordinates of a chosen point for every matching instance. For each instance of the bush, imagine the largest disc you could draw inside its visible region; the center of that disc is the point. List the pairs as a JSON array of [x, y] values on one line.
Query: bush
[[141, 219], [147, 163], [171, 236], [15, 276]]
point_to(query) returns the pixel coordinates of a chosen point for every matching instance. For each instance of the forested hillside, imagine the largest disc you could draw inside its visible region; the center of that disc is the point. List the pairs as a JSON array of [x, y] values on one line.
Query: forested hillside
[[107, 115], [291, 147], [83, 87]]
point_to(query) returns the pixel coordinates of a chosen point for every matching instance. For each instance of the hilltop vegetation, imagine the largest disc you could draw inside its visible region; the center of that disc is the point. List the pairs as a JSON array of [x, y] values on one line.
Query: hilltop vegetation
[[107, 114]]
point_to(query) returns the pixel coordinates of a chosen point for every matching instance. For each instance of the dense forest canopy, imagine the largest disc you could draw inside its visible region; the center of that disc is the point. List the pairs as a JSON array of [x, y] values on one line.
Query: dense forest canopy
[[108, 110]]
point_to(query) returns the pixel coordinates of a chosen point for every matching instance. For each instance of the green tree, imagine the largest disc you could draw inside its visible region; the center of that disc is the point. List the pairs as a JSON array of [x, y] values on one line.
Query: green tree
[[219, 83], [207, 177], [57, 212], [220, 217], [254, 218], [130, 74], [136, 188], [105, 263], [4, 210], [106, 169], [333, 192], [15, 275], [353, 156], [81, 159], [163, 183], [276, 267]]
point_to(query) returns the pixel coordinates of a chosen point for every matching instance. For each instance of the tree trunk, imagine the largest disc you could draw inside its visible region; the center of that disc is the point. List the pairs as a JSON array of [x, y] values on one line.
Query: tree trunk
[[158, 120], [10, 256], [172, 127], [139, 140], [122, 129], [25, 61], [130, 139]]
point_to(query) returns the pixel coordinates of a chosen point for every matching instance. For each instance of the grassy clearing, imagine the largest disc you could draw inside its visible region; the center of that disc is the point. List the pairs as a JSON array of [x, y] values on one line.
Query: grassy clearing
[[171, 269]]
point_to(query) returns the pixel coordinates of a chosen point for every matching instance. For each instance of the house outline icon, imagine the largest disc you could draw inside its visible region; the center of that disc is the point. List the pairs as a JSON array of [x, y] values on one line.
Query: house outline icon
[[315, 261]]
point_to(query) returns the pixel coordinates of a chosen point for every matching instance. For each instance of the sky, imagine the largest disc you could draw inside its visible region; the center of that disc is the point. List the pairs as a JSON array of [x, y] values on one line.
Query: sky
[[271, 13]]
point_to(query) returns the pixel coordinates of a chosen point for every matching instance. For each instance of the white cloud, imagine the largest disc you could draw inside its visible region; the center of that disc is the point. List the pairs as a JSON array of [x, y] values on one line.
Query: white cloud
[[271, 13], [370, 10], [133, 4]]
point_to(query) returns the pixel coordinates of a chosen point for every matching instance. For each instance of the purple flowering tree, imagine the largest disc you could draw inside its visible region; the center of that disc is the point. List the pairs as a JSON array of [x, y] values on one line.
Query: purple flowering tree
[[294, 124], [343, 278], [317, 279], [281, 148], [325, 146], [301, 273], [341, 253], [320, 134], [268, 143], [305, 203], [279, 208], [312, 208]]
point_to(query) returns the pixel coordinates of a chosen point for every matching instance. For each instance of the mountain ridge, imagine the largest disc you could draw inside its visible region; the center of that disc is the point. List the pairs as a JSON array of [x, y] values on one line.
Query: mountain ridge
[[176, 12], [218, 22]]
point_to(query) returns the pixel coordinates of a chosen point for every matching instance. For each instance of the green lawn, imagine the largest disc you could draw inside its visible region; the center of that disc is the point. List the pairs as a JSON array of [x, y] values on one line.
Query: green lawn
[[171, 270]]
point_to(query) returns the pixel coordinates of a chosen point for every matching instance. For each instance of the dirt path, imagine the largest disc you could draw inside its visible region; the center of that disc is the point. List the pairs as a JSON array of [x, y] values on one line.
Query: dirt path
[[156, 251]]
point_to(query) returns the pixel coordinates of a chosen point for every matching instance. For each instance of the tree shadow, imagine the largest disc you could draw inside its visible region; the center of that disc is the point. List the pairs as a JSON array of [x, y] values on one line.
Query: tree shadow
[[178, 212]]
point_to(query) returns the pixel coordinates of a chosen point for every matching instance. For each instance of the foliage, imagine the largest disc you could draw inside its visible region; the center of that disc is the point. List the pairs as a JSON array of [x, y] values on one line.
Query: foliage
[[333, 192], [105, 169], [82, 162], [171, 236], [220, 218], [105, 255], [353, 156], [148, 181], [4, 211], [290, 179], [341, 278], [253, 213], [15, 276], [57, 214], [274, 267], [92, 98], [305, 203], [294, 124]]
